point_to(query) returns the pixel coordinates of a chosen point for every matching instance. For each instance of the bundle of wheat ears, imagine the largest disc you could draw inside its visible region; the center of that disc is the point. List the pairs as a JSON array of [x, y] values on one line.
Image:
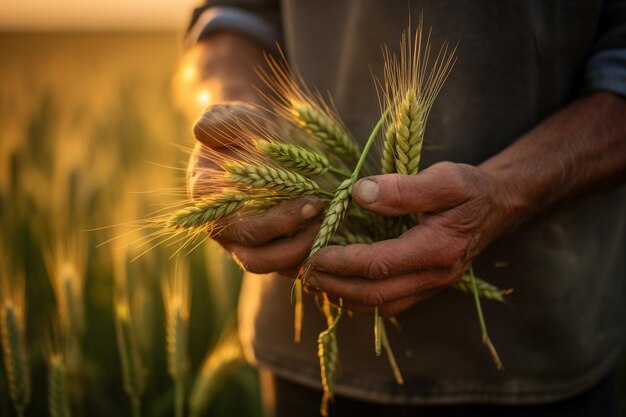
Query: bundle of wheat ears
[[309, 151]]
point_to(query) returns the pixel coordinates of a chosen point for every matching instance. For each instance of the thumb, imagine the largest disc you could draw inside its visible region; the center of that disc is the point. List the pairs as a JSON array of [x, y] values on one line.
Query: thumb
[[439, 187]]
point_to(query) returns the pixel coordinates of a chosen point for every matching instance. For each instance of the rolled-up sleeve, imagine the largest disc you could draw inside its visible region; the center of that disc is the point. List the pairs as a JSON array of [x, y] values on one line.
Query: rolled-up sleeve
[[606, 67], [258, 20]]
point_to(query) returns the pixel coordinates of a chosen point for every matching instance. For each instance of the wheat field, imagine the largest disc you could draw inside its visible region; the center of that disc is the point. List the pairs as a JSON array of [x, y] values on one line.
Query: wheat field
[[89, 139]]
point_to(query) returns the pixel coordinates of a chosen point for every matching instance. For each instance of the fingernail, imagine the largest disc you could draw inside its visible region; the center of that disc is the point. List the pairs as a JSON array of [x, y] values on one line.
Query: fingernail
[[309, 211], [367, 191]]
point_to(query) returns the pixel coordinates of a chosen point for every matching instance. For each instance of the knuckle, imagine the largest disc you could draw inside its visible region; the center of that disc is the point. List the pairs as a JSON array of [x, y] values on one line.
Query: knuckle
[[454, 174], [244, 234], [378, 268], [372, 298]]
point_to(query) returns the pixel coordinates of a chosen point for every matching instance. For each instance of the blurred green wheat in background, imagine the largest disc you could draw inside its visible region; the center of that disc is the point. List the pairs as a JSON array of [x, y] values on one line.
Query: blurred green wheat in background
[[86, 128]]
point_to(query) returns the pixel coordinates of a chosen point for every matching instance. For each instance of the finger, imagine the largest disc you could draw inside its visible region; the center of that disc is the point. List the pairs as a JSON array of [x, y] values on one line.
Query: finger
[[279, 255], [366, 292], [283, 220], [421, 248], [442, 186], [220, 124]]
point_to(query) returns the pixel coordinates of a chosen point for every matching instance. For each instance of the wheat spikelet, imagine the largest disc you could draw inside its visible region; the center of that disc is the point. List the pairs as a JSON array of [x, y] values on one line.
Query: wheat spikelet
[[333, 216], [329, 132], [206, 211], [293, 101], [409, 135], [388, 150], [66, 270], [411, 84], [133, 371], [485, 289], [58, 396], [57, 348], [328, 354], [270, 178], [297, 158], [15, 358], [176, 299], [12, 332]]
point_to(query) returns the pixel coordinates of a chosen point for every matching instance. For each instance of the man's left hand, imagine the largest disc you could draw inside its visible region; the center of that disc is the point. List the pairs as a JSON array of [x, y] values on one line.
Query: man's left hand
[[461, 210]]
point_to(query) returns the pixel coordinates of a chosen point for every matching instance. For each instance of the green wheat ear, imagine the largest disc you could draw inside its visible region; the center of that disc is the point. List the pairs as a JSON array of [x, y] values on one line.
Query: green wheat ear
[[410, 122], [15, 358], [269, 178], [328, 354], [334, 215], [484, 289], [328, 131], [58, 396], [296, 158], [204, 212]]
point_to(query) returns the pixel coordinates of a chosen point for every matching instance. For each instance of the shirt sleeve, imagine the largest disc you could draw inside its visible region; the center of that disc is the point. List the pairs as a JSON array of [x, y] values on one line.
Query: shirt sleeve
[[258, 20], [606, 67]]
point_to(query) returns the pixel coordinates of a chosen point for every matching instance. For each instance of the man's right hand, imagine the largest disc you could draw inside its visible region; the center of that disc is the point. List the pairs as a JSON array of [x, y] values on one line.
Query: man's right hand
[[220, 72], [278, 240]]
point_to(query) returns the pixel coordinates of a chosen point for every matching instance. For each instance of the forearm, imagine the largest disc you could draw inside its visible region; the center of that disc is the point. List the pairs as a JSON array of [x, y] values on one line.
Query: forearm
[[578, 149], [218, 69]]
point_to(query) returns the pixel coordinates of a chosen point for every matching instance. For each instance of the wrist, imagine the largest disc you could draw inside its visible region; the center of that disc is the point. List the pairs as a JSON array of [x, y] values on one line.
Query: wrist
[[512, 200]]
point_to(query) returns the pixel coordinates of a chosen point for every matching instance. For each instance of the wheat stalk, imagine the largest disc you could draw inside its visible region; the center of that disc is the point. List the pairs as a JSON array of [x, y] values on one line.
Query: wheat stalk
[[483, 327], [390, 356]]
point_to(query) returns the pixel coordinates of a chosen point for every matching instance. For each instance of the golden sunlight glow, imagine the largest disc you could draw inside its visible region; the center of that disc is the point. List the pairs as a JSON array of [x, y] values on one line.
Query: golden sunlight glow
[[204, 98], [95, 15]]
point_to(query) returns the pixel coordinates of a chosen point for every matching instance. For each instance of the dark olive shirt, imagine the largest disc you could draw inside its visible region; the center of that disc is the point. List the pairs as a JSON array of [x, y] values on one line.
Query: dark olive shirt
[[519, 61]]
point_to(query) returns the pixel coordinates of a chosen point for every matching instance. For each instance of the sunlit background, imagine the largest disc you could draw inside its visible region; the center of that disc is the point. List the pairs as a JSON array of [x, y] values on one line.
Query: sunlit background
[[41, 15], [90, 142]]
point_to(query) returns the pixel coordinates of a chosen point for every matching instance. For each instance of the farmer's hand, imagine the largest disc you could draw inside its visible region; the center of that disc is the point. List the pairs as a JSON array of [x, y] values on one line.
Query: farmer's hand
[[276, 241], [219, 73], [461, 210], [579, 149]]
